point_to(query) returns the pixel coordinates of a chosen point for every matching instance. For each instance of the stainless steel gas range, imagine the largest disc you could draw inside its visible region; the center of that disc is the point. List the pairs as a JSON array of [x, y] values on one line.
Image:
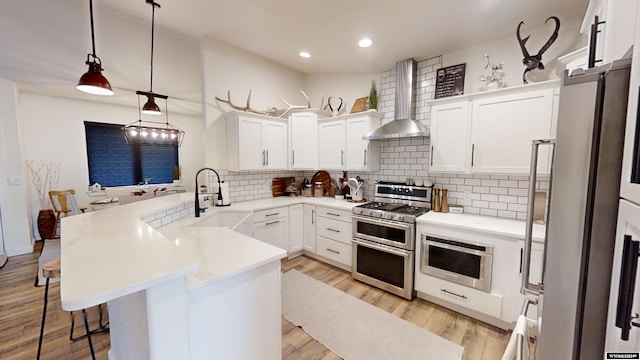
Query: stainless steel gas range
[[384, 236]]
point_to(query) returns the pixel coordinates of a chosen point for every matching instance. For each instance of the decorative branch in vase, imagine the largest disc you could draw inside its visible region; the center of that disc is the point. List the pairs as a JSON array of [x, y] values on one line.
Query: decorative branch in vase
[[44, 178]]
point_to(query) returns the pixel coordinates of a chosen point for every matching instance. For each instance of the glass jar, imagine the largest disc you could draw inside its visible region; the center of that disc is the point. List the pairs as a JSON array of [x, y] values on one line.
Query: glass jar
[[317, 189]]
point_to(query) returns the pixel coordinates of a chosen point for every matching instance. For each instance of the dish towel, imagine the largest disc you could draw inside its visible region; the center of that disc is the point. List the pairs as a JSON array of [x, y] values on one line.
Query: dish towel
[[522, 330]]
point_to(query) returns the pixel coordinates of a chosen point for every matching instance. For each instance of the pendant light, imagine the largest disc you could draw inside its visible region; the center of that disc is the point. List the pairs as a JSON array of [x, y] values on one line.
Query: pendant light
[[150, 107], [93, 82], [150, 132]]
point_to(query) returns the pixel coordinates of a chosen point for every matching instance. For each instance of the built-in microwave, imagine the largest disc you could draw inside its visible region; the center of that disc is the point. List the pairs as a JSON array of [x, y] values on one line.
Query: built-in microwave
[[461, 262]]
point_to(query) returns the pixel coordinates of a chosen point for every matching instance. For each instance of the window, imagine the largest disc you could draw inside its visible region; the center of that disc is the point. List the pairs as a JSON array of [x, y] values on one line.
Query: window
[[113, 162]]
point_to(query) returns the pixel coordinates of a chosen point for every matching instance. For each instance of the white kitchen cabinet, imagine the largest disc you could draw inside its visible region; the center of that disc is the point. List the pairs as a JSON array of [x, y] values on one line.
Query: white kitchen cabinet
[[333, 236], [303, 140], [503, 127], [450, 134], [331, 144], [491, 132], [615, 35], [256, 142], [296, 228], [629, 187], [362, 154], [340, 144], [628, 225], [309, 228], [272, 227]]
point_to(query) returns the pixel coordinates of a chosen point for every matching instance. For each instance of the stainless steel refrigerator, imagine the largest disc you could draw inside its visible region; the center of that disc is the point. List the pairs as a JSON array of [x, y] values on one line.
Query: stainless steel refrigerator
[[582, 213]]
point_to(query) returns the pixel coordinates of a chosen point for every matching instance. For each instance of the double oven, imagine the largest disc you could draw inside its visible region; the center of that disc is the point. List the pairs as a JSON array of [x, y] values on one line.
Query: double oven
[[384, 237]]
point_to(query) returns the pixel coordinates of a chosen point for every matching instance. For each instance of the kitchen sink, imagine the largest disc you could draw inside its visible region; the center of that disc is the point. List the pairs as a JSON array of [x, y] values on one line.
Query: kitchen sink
[[224, 219]]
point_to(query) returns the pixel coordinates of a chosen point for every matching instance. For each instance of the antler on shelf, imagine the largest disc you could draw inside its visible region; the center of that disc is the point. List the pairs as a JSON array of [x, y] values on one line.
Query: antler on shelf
[[246, 108], [532, 62]]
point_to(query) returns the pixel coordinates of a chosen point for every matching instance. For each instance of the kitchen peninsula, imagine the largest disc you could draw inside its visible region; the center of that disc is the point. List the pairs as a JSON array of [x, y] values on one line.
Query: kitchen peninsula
[[176, 287]]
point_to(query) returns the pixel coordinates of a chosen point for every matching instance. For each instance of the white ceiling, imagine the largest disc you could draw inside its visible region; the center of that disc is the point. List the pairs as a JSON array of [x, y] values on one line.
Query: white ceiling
[[279, 29]]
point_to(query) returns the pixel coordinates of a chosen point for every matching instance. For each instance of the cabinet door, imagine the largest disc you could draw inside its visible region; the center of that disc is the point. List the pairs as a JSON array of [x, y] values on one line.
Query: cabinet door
[[309, 228], [303, 141], [274, 139], [450, 137], [250, 147], [630, 187], [357, 150], [331, 145], [296, 228], [628, 224], [503, 127], [274, 232]]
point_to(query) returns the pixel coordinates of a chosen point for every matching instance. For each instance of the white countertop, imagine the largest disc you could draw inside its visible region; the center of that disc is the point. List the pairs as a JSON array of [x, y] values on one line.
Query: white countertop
[[485, 224], [111, 253]]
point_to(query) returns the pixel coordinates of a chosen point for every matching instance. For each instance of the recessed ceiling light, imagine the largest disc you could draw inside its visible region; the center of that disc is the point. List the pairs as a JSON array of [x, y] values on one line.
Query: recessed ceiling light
[[305, 54], [365, 43]]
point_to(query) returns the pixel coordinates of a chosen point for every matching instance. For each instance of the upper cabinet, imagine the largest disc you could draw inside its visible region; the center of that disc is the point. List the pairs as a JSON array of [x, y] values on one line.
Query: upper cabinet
[[340, 144], [614, 36], [492, 132], [256, 142], [303, 140]]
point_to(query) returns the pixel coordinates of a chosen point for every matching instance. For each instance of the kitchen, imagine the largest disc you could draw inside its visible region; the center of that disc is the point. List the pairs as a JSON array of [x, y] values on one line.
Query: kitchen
[[229, 65]]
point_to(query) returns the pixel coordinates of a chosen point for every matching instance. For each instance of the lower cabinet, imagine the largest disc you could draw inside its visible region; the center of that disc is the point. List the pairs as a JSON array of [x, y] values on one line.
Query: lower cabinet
[[333, 235], [296, 228], [272, 227], [309, 228]]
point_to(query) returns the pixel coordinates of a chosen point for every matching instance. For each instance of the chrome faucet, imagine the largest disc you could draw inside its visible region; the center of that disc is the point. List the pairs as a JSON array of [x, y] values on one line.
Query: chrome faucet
[[197, 201]]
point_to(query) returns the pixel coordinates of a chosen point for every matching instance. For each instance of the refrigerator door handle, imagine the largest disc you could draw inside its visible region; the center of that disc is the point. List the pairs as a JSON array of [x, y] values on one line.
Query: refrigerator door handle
[[527, 288]]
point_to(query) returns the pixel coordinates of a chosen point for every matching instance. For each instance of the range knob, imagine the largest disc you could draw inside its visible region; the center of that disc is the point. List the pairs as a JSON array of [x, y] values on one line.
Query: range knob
[[400, 218]]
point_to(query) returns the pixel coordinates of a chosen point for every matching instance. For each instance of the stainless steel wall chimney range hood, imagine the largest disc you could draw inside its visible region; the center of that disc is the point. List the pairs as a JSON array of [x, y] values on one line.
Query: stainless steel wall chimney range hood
[[402, 125]]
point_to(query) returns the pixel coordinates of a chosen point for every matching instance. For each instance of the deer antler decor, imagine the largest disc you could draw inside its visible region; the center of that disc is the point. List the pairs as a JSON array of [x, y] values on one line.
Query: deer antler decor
[[532, 62], [246, 108]]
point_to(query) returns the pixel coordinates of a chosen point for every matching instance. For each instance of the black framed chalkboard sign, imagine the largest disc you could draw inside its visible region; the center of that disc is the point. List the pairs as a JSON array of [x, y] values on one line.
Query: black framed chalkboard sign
[[450, 81]]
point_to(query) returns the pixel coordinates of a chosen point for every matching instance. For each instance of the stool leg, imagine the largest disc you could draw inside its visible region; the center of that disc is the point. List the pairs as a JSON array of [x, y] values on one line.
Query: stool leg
[[86, 327], [44, 316]]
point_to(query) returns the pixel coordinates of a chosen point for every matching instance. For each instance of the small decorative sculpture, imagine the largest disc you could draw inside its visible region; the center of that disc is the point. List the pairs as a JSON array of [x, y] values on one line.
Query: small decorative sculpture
[[532, 62], [493, 81]]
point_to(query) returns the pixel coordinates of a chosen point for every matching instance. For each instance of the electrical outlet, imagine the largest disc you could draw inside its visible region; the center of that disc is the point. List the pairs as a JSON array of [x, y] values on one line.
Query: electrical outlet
[[12, 181]]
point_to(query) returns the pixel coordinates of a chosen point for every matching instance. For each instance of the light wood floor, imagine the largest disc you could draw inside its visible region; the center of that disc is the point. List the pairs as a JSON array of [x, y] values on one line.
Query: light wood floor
[[21, 311]]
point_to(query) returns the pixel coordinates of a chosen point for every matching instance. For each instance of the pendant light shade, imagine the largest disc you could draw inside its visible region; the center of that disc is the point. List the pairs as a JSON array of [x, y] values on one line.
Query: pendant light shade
[[93, 82], [150, 107]]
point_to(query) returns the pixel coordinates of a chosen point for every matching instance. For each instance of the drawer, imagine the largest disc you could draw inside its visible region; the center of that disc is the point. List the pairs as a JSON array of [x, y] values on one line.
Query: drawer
[[335, 230], [470, 298], [334, 250], [270, 214], [330, 213]]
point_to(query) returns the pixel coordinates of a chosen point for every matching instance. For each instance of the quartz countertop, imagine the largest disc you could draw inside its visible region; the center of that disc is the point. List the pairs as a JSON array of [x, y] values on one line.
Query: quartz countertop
[[112, 253], [491, 225]]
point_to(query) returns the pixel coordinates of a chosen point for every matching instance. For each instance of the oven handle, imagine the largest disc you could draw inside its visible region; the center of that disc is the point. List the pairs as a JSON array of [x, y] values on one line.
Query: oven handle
[[377, 221], [384, 248], [458, 248]]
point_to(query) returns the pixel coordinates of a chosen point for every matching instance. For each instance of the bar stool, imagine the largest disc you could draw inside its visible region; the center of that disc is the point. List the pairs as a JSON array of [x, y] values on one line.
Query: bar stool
[[50, 270]]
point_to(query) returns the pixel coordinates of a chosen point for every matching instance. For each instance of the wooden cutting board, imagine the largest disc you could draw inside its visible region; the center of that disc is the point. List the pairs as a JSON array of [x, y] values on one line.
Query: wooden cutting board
[[279, 185], [323, 177]]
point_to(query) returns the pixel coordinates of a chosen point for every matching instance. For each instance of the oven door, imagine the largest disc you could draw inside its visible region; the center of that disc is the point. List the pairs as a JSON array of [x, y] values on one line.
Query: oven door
[[394, 233], [385, 267], [456, 261]]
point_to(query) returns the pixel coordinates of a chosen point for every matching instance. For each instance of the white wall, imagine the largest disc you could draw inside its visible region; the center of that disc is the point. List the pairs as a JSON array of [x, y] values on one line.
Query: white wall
[[508, 51], [15, 219], [226, 68], [52, 129]]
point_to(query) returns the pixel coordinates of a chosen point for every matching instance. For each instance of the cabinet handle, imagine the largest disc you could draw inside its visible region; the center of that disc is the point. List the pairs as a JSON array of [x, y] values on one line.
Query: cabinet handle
[[272, 222], [334, 230], [263, 159], [293, 157], [628, 272], [341, 157], [272, 214], [431, 156], [332, 214], [313, 217], [473, 151], [333, 251], [454, 294], [521, 255], [267, 157], [365, 157]]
